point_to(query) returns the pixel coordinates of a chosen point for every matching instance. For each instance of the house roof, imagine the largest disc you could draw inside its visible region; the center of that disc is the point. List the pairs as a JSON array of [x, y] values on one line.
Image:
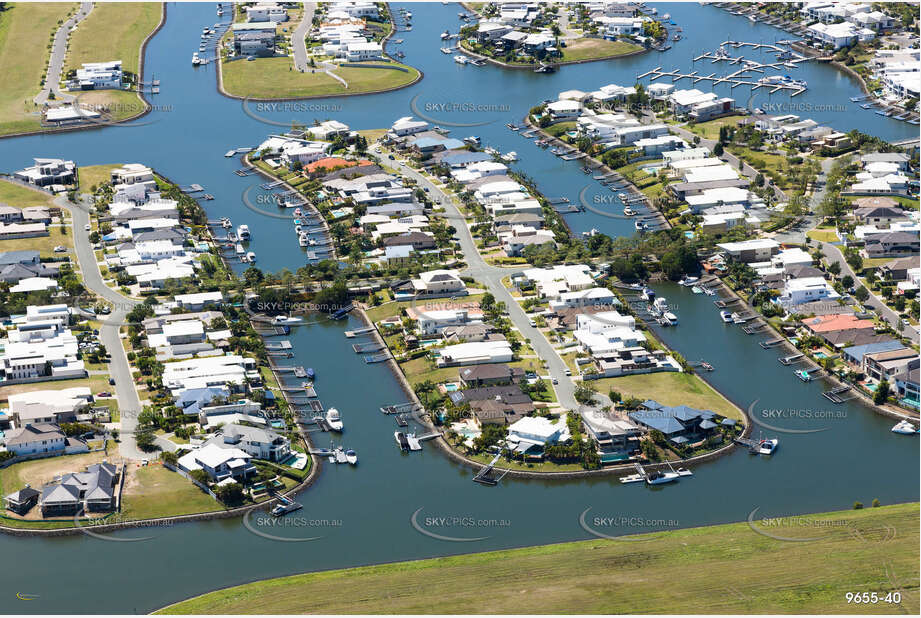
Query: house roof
[[857, 352], [836, 321], [491, 371]]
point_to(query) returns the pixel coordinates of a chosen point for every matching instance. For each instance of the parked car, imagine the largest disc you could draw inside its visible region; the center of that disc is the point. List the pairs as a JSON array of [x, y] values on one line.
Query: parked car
[[60, 249], [555, 381], [568, 372], [87, 227], [112, 381]]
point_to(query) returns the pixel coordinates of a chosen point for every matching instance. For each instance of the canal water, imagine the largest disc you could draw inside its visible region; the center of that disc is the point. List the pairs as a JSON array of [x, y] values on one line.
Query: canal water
[[365, 515]]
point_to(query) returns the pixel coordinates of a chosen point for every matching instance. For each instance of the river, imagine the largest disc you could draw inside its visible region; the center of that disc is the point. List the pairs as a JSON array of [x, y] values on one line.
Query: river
[[367, 510]]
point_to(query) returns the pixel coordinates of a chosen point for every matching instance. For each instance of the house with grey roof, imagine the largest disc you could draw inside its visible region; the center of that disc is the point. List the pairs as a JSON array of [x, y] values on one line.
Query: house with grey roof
[[255, 441], [93, 490], [679, 424], [22, 501], [35, 438]]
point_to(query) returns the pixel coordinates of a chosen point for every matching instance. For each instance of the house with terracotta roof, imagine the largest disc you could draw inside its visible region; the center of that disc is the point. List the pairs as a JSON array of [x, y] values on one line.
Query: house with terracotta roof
[[822, 324], [328, 164]]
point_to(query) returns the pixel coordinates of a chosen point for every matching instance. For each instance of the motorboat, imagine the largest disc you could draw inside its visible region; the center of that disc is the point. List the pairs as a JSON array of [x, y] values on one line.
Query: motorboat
[[352, 457], [472, 139], [621, 196], [225, 223], [671, 318], [648, 294], [803, 375], [446, 50], [298, 212], [286, 507], [491, 151], [709, 292], [445, 35], [196, 61], [286, 319], [303, 241], [311, 374], [333, 419], [298, 229], [767, 447], [684, 472], [726, 316], [629, 212], [660, 478], [459, 59], [706, 366], [640, 226], [632, 478], [697, 289], [510, 156], [251, 257], [243, 232], [402, 442], [660, 306], [688, 281], [904, 427]]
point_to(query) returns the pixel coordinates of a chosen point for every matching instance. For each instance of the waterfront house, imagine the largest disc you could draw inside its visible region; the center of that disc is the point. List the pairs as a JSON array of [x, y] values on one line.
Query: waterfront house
[[495, 405], [489, 375], [530, 434], [620, 359], [199, 300], [615, 438], [48, 172], [906, 386], [266, 12], [92, 491], [22, 501], [215, 371], [885, 365], [597, 297], [755, 250], [552, 281], [219, 463], [820, 325], [419, 241], [439, 282], [679, 424], [517, 239], [854, 354], [474, 353], [806, 289], [407, 126], [98, 76], [432, 321], [254, 38], [258, 442]]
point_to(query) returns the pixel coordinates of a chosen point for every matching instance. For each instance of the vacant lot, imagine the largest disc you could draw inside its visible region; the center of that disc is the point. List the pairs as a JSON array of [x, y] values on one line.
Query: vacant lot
[[590, 49], [711, 128], [153, 491], [671, 389], [94, 175], [25, 33], [724, 569], [275, 78], [113, 31]]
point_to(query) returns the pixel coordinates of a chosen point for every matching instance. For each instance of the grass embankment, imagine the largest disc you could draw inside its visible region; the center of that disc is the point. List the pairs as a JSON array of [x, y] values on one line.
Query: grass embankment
[[23, 197], [25, 31], [275, 78], [670, 389], [714, 570]]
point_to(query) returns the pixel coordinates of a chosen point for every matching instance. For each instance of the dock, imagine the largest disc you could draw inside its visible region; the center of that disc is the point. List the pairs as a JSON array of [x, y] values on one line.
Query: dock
[[487, 475], [377, 358], [754, 328], [725, 303], [789, 360], [753, 445], [770, 343], [278, 345], [734, 79], [361, 348], [399, 408], [359, 331], [835, 394]]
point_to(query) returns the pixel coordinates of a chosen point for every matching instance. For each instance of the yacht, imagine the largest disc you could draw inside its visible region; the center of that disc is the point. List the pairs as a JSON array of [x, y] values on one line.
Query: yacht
[[726, 316], [904, 427], [688, 281], [333, 419], [671, 318], [660, 478], [472, 139], [767, 447], [445, 35], [251, 257], [629, 212], [640, 226], [648, 293], [286, 507], [352, 457], [243, 232], [195, 59], [660, 306], [286, 319], [446, 50], [303, 241], [510, 156], [459, 59]]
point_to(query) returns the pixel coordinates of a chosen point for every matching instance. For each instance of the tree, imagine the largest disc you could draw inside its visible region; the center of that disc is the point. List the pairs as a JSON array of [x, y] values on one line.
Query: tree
[[718, 149], [200, 476], [882, 392], [584, 394], [169, 457], [861, 294], [145, 440], [834, 268], [230, 494], [847, 281]]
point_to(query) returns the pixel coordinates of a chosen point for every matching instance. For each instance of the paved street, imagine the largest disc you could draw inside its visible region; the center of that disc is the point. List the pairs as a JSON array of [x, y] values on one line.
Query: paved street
[[58, 54], [129, 404], [298, 36]]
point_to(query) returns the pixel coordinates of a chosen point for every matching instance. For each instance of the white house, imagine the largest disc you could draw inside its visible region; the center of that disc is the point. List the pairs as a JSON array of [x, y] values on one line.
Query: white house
[[219, 463], [99, 75], [591, 297], [266, 11], [255, 441], [475, 353], [806, 289], [438, 282]]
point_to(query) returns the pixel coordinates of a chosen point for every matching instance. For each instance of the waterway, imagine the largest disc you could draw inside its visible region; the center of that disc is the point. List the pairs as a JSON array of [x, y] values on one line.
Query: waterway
[[367, 510]]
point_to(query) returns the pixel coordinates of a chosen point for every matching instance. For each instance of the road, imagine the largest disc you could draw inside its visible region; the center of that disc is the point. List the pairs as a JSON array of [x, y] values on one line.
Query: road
[[298, 36], [129, 404], [58, 54], [491, 277]]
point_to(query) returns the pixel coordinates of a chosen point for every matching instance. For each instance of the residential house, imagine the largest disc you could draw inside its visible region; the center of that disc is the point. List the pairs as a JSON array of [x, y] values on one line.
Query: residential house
[[255, 441], [219, 463], [489, 375]]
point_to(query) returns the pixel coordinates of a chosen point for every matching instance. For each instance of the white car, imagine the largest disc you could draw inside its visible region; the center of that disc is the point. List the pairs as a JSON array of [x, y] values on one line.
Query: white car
[[60, 249], [532, 323], [87, 227]]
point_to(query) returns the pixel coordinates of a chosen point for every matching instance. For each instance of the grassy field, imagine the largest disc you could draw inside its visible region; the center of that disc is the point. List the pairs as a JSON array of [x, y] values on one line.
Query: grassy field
[[94, 383], [91, 175], [825, 235], [40, 471], [22, 197], [723, 569], [711, 128], [670, 389], [43, 244], [25, 33], [590, 49], [153, 491], [113, 31], [274, 78]]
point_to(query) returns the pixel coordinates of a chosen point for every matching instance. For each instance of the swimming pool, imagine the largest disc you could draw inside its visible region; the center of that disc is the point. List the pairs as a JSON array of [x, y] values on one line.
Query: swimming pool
[[451, 387]]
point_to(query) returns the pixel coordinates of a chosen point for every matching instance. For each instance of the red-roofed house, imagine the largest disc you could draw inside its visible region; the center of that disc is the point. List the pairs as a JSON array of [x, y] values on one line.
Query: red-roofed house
[[836, 321], [331, 163]]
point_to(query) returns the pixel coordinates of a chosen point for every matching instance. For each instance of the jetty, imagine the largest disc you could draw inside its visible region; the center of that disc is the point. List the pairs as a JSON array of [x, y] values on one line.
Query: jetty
[[835, 395], [770, 343], [399, 408], [377, 358], [487, 474], [359, 331], [361, 348], [789, 360], [734, 79]]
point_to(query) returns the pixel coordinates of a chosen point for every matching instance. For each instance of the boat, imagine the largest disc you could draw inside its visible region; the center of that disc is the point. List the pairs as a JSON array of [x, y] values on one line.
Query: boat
[[676, 38], [621, 196], [752, 18], [491, 151], [225, 223], [333, 419], [706, 366], [196, 61], [648, 293], [632, 478], [640, 226], [352, 457], [229, 153], [472, 139], [400, 437], [446, 50], [684, 472], [303, 241], [286, 507], [545, 68], [510, 156], [904, 427], [666, 17], [803, 375], [660, 306], [671, 318], [445, 35], [251, 257], [697, 289], [726, 316], [767, 447], [459, 59], [298, 212], [709, 292], [688, 281], [660, 478], [243, 232], [629, 212]]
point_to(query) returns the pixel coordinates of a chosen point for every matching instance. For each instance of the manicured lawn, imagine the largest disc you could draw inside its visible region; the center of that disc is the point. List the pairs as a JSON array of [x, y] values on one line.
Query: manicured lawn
[[726, 569], [589, 49], [153, 491], [25, 33], [419, 370], [769, 164], [559, 128], [44, 244], [671, 389], [94, 383], [113, 31], [94, 175], [275, 78], [711, 128], [40, 471]]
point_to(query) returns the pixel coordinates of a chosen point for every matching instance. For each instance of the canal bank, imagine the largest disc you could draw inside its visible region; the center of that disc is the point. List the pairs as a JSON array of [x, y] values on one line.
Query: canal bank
[[187, 144]]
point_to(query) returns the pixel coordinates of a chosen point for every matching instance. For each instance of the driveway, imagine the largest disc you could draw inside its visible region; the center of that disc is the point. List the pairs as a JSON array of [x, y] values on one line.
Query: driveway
[[298, 36], [129, 404]]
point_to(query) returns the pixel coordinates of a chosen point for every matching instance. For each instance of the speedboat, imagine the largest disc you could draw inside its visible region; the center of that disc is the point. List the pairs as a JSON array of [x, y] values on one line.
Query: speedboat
[[688, 280], [660, 478], [697, 289], [709, 292], [706, 366], [640, 226], [286, 319], [670, 317], [351, 456], [459, 59], [286, 507], [904, 427], [445, 35], [629, 212], [767, 447], [400, 437], [251, 257], [311, 374], [510, 156], [660, 306], [684, 472], [472, 139], [333, 419], [243, 232], [726, 316], [803, 375], [632, 478], [648, 293], [446, 50], [195, 59]]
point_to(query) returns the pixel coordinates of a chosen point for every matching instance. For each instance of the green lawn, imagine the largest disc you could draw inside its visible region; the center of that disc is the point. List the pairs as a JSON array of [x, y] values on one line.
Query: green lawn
[[22, 197], [671, 389], [153, 491], [822, 235], [94, 175], [113, 31], [25, 33], [274, 78], [726, 569], [590, 49], [770, 164], [711, 128]]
